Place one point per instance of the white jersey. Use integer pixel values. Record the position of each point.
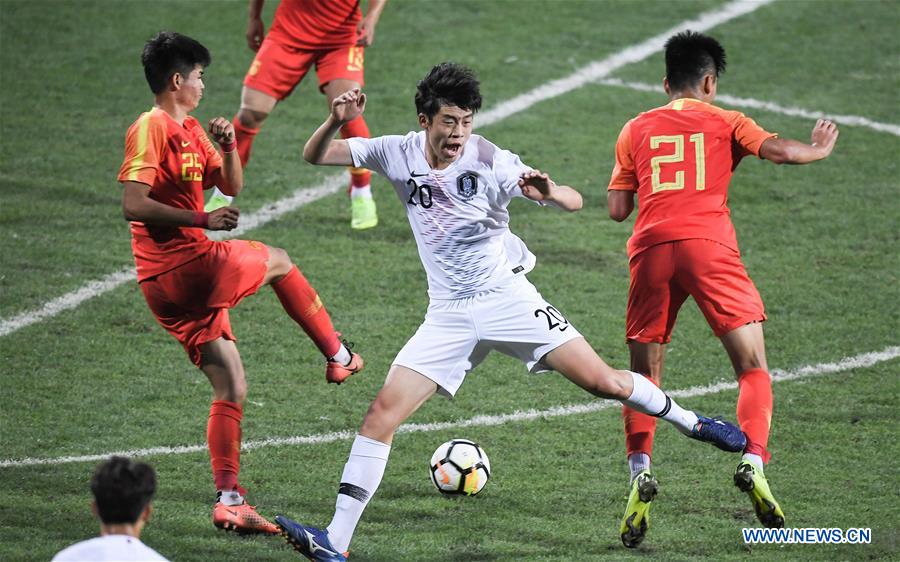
(108, 547)
(458, 215)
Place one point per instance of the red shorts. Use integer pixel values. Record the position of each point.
(664, 275)
(191, 301)
(277, 68)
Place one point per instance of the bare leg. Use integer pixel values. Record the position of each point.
(577, 361)
(747, 350)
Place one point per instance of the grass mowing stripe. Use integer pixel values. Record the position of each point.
(808, 371)
(590, 73)
(600, 69)
(852, 120)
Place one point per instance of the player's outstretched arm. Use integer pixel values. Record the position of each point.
(230, 177)
(137, 205)
(538, 186)
(787, 151)
(322, 148)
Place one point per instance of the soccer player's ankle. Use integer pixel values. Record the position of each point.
(753, 459)
(343, 356)
(362, 191)
(638, 462)
(229, 497)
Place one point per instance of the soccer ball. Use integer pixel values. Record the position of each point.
(460, 466)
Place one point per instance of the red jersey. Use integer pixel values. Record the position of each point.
(316, 24)
(679, 159)
(177, 162)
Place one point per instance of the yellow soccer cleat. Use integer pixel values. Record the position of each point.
(636, 520)
(750, 478)
(363, 213)
(217, 201)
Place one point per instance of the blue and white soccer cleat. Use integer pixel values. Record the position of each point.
(309, 541)
(720, 433)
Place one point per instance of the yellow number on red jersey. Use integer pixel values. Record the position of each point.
(675, 157)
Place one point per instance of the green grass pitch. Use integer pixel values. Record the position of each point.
(819, 241)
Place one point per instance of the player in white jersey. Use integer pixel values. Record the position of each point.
(456, 187)
(122, 492)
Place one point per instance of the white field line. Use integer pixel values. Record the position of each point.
(592, 72)
(852, 120)
(808, 371)
(602, 68)
(248, 222)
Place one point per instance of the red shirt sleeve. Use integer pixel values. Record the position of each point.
(145, 144)
(747, 135)
(624, 176)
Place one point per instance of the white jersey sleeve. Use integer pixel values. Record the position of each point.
(508, 168)
(372, 154)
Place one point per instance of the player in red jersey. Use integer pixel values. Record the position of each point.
(678, 160)
(330, 34)
(190, 281)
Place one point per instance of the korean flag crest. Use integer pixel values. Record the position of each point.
(467, 185)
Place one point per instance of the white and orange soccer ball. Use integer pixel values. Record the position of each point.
(460, 466)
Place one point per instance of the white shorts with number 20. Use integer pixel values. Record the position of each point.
(458, 334)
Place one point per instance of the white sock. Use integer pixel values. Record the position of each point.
(217, 193)
(647, 398)
(638, 462)
(230, 497)
(364, 191)
(755, 459)
(342, 356)
(362, 475)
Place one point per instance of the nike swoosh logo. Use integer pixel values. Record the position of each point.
(415, 175)
(231, 511)
(185, 143)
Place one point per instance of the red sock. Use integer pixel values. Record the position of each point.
(302, 304)
(639, 430)
(359, 177)
(244, 137)
(754, 410)
(223, 436)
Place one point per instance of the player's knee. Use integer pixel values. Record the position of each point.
(234, 390)
(279, 262)
(251, 118)
(380, 421)
(239, 391)
(749, 362)
(611, 384)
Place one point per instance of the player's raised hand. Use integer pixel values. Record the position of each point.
(824, 135)
(221, 130)
(536, 185)
(224, 218)
(348, 106)
(256, 30)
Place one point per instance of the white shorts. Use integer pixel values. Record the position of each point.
(458, 334)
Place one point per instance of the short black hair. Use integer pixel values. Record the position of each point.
(122, 489)
(168, 53)
(447, 84)
(690, 56)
